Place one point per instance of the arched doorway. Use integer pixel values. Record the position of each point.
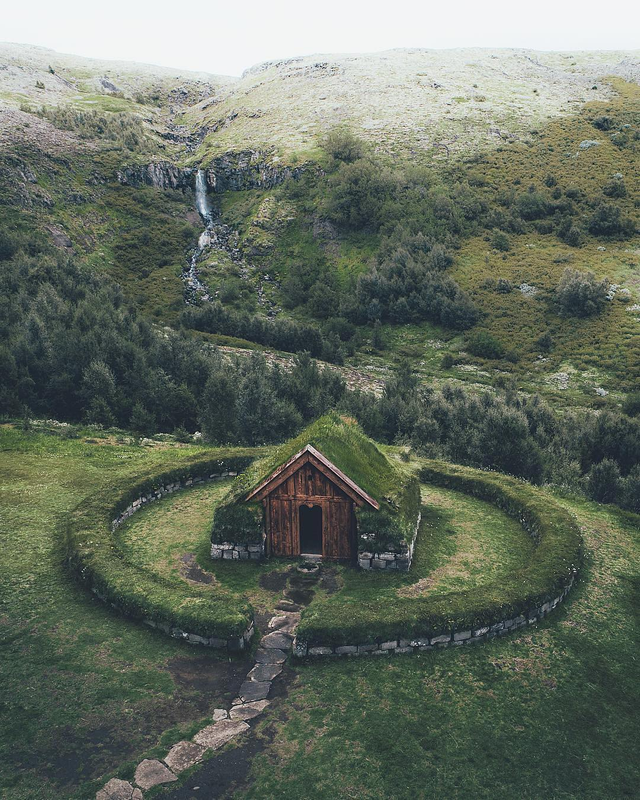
(311, 530)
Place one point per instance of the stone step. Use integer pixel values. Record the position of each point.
(277, 641)
(270, 656)
(264, 672)
(214, 736)
(184, 755)
(249, 710)
(151, 772)
(254, 690)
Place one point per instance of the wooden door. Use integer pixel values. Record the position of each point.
(283, 527)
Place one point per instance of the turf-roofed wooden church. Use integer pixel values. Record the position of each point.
(328, 493)
(309, 507)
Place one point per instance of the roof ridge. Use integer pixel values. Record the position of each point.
(337, 472)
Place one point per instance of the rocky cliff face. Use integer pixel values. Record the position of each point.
(160, 174)
(248, 169)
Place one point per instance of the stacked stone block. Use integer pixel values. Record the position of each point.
(450, 638)
(400, 561)
(237, 551)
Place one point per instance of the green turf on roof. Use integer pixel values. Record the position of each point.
(342, 441)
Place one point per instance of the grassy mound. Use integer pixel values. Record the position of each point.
(342, 441)
(361, 618)
(163, 600)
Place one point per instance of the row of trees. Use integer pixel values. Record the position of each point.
(76, 351)
(280, 333)
(509, 433)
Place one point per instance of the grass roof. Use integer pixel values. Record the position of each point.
(342, 441)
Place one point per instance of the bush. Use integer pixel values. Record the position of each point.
(342, 145)
(532, 205)
(447, 361)
(573, 236)
(603, 123)
(608, 220)
(580, 294)
(484, 345)
(500, 241)
(603, 481)
(615, 188)
(545, 342)
(630, 491)
(504, 286)
(631, 405)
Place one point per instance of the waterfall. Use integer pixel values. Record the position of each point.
(202, 199)
(206, 212)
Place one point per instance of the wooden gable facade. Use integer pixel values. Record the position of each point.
(310, 507)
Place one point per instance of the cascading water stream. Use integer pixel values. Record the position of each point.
(202, 198)
(206, 212)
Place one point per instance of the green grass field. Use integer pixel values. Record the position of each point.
(548, 712)
(463, 542)
(83, 689)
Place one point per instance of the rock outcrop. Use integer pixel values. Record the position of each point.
(248, 169)
(160, 174)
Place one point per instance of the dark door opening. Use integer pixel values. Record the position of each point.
(311, 530)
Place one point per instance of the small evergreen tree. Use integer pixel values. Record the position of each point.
(603, 481)
(142, 421)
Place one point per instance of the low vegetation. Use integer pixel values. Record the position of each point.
(122, 129)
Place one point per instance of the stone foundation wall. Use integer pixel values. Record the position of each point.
(400, 561)
(161, 491)
(237, 551)
(234, 644)
(451, 638)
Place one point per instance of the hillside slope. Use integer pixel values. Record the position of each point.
(405, 101)
(427, 103)
(98, 159)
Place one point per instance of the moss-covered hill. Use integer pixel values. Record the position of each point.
(512, 198)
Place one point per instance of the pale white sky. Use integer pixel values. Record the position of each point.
(227, 37)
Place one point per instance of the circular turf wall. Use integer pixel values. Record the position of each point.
(335, 627)
(215, 618)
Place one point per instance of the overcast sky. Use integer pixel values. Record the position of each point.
(226, 38)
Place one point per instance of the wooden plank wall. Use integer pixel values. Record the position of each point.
(308, 485)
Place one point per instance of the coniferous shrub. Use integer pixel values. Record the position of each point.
(631, 405)
(615, 188)
(500, 241)
(484, 345)
(603, 481)
(581, 294)
(608, 220)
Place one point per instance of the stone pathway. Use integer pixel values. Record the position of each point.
(227, 723)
